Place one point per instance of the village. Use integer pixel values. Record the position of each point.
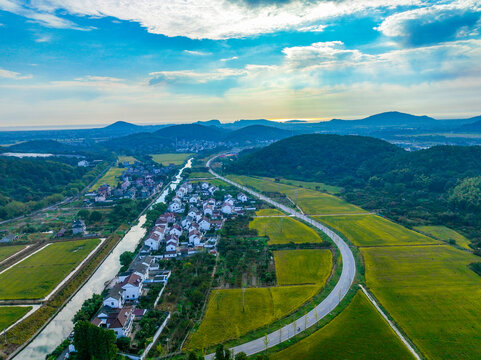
(190, 226)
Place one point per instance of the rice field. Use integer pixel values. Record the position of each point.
(7, 251)
(284, 230)
(373, 230)
(10, 314)
(200, 174)
(269, 212)
(226, 318)
(171, 158)
(111, 178)
(38, 275)
(445, 234)
(357, 333)
(312, 202)
(296, 267)
(431, 294)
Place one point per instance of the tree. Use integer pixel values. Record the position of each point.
(125, 259)
(92, 342)
(221, 353)
(123, 343)
(95, 216)
(83, 214)
(241, 356)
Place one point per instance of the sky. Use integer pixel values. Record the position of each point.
(70, 62)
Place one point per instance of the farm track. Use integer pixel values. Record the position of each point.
(321, 310)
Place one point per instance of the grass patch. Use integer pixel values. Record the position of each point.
(359, 332)
(310, 201)
(283, 230)
(445, 234)
(171, 158)
(10, 314)
(37, 276)
(225, 319)
(7, 251)
(129, 159)
(432, 295)
(269, 212)
(373, 230)
(294, 267)
(200, 174)
(111, 178)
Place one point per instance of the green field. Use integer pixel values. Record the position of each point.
(10, 314)
(311, 185)
(7, 251)
(111, 178)
(373, 230)
(295, 267)
(129, 159)
(310, 201)
(200, 174)
(225, 319)
(269, 212)
(283, 230)
(358, 333)
(37, 276)
(431, 294)
(171, 158)
(444, 233)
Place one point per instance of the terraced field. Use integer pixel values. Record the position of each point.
(226, 318)
(7, 251)
(358, 333)
(295, 267)
(111, 178)
(283, 230)
(37, 276)
(432, 294)
(171, 158)
(10, 314)
(373, 230)
(310, 201)
(445, 234)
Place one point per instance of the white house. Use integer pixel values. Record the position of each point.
(120, 321)
(194, 237)
(193, 199)
(186, 222)
(176, 230)
(227, 208)
(204, 224)
(208, 210)
(242, 197)
(175, 206)
(193, 213)
(153, 241)
(114, 298)
(205, 186)
(131, 287)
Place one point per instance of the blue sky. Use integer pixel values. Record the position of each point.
(67, 62)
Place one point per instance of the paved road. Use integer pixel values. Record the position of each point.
(321, 310)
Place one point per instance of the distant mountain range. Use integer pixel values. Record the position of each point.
(375, 125)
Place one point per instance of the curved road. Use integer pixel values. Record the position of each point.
(321, 310)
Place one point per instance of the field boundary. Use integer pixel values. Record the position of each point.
(401, 337)
(25, 258)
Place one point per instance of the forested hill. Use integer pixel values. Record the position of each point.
(319, 157)
(441, 184)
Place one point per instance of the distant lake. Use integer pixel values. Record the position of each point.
(39, 155)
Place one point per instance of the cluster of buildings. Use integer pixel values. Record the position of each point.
(138, 181)
(119, 310)
(193, 219)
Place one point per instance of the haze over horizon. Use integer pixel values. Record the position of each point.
(64, 62)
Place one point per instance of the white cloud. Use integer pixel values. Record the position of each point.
(43, 38)
(193, 76)
(197, 53)
(6, 74)
(312, 28)
(229, 59)
(212, 19)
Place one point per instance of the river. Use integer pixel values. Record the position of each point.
(61, 325)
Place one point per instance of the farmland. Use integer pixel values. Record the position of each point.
(6, 251)
(283, 230)
(445, 234)
(37, 276)
(129, 159)
(200, 174)
(359, 332)
(171, 158)
(432, 294)
(111, 178)
(372, 230)
(225, 319)
(10, 314)
(295, 267)
(269, 212)
(311, 201)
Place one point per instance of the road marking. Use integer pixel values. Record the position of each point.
(391, 324)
